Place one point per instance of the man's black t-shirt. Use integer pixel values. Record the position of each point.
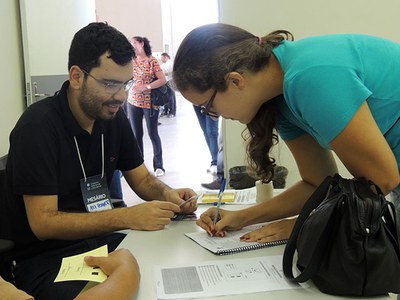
(43, 160)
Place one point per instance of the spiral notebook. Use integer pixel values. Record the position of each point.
(231, 243)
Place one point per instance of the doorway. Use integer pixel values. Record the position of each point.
(46, 37)
(181, 16)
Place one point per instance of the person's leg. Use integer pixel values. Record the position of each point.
(212, 137)
(202, 122)
(201, 118)
(135, 116)
(216, 183)
(115, 186)
(36, 274)
(171, 102)
(151, 117)
(220, 156)
(174, 103)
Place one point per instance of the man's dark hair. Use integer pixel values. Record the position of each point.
(95, 39)
(165, 54)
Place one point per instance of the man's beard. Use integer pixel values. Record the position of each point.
(93, 106)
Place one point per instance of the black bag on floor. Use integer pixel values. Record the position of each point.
(239, 178)
(346, 239)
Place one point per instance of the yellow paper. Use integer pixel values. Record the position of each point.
(75, 268)
(213, 197)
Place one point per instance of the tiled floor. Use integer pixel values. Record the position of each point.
(185, 153)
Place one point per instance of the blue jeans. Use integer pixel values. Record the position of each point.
(135, 115)
(220, 160)
(115, 186)
(210, 131)
(170, 108)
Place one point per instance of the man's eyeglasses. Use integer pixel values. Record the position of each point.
(112, 87)
(205, 109)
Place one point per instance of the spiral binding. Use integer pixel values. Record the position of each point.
(251, 247)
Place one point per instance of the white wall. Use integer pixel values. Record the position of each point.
(303, 18)
(181, 16)
(134, 18)
(12, 100)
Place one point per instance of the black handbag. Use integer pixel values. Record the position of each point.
(159, 96)
(347, 240)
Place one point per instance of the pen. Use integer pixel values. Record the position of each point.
(220, 194)
(195, 197)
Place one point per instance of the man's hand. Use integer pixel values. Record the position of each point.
(179, 196)
(152, 215)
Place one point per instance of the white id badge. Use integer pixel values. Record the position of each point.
(95, 193)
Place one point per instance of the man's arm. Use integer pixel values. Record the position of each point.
(149, 187)
(145, 185)
(47, 222)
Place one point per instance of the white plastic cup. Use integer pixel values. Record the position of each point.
(264, 191)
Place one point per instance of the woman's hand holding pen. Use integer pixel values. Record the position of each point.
(227, 220)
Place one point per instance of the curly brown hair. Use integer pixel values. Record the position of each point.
(210, 52)
(261, 137)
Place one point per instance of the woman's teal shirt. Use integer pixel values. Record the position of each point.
(327, 78)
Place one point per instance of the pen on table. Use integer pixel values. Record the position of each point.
(195, 197)
(220, 194)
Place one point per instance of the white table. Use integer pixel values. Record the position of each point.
(170, 247)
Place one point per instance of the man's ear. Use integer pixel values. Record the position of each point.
(236, 79)
(76, 77)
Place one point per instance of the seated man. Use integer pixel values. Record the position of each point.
(63, 153)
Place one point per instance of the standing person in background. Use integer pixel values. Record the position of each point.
(209, 126)
(147, 75)
(217, 178)
(320, 99)
(167, 66)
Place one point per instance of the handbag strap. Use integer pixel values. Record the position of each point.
(391, 226)
(316, 198)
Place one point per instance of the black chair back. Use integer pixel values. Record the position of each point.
(6, 246)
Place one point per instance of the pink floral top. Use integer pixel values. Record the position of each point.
(143, 74)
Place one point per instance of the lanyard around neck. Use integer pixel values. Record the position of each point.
(102, 157)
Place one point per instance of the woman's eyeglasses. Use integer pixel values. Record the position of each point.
(205, 109)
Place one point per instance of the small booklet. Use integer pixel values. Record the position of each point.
(75, 268)
(231, 243)
(213, 197)
(245, 196)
